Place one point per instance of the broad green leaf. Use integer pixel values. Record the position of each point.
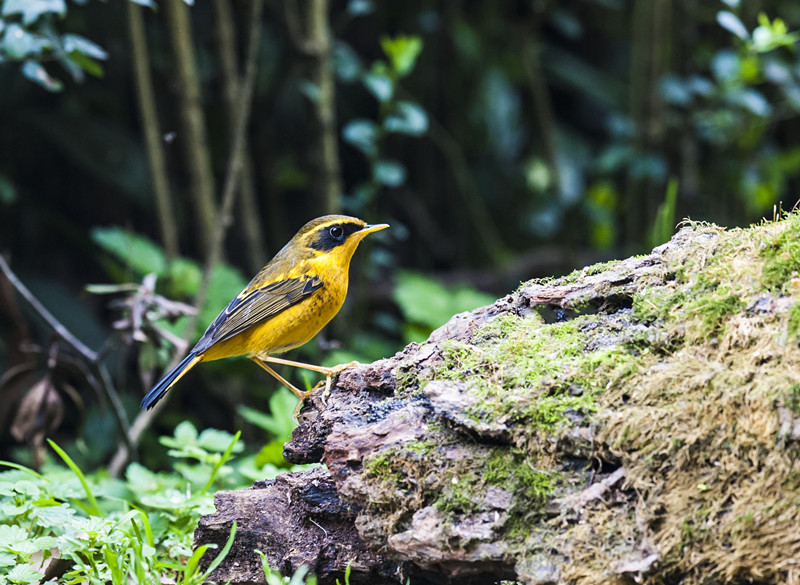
(278, 422)
(185, 277)
(427, 302)
(185, 434)
(136, 251)
(271, 454)
(726, 65)
(217, 441)
(11, 536)
(24, 574)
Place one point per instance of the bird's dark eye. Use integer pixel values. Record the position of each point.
(336, 232)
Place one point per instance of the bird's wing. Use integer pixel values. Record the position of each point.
(254, 306)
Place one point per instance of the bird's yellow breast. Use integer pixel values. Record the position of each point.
(296, 324)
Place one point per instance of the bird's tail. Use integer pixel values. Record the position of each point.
(157, 392)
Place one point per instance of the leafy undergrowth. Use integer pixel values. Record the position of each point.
(61, 525)
(683, 370)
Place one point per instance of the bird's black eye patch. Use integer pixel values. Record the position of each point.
(334, 235)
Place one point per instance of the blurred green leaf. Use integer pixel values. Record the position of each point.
(8, 192)
(278, 422)
(217, 441)
(271, 454)
(31, 10)
(389, 172)
(225, 283)
(428, 304)
(86, 64)
(362, 134)
(730, 22)
(726, 65)
(346, 62)
(184, 435)
(19, 43)
(380, 85)
(133, 250)
(36, 72)
(402, 52)
(407, 118)
(77, 43)
(360, 7)
(185, 277)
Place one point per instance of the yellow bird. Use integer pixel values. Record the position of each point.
(287, 303)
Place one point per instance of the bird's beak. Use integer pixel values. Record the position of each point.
(368, 229)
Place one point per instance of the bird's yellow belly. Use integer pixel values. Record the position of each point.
(288, 329)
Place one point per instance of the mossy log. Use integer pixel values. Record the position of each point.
(633, 421)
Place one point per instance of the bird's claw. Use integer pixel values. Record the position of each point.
(327, 382)
(341, 368)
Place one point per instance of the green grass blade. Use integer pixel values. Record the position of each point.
(222, 554)
(92, 508)
(222, 460)
(22, 468)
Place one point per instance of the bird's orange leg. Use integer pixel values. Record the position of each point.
(296, 391)
(321, 369)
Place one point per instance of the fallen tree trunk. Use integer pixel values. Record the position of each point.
(634, 420)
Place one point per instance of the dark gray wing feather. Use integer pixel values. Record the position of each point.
(255, 306)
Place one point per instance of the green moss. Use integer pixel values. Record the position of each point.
(512, 469)
(654, 303)
(458, 495)
(711, 308)
(599, 267)
(794, 320)
(782, 256)
(379, 466)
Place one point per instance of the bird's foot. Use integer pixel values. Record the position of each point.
(340, 368)
(303, 395)
(329, 373)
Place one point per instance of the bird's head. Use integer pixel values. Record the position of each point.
(333, 238)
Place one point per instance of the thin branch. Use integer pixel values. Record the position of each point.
(92, 357)
(193, 131)
(48, 317)
(326, 146)
(315, 44)
(248, 215)
(543, 106)
(150, 127)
